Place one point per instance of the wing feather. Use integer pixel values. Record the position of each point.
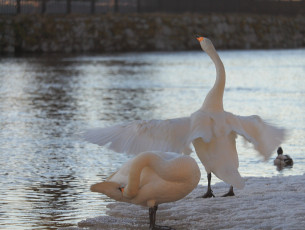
(264, 136)
(139, 136)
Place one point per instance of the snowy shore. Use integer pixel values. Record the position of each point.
(264, 203)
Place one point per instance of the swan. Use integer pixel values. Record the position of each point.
(150, 179)
(281, 160)
(211, 130)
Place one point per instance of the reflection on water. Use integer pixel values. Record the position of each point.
(45, 101)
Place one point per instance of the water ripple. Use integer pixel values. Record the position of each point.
(46, 172)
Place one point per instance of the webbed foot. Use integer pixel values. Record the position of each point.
(208, 194)
(230, 193)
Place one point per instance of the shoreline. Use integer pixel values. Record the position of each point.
(147, 32)
(265, 203)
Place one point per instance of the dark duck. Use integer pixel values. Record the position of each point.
(282, 161)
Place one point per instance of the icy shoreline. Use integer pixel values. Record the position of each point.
(264, 203)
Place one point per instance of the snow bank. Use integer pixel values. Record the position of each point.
(264, 203)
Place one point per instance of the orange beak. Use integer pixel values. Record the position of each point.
(199, 38)
(121, 189)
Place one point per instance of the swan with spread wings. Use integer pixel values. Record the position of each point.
(211, 130)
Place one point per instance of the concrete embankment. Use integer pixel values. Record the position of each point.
(147, 32)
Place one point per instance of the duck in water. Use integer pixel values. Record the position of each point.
(282, 161)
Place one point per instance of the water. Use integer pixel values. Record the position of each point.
(45, 101)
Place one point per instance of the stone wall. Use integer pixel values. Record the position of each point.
(147, 32)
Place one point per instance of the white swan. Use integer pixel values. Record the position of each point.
(211, 130)
(150, 179)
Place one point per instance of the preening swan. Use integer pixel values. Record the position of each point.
(211, 130)
(282, 161)
(150, 179)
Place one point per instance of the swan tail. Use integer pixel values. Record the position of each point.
(232, 178)
(236, 180)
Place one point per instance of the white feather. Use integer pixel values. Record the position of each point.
(139, 136)
(264, 136)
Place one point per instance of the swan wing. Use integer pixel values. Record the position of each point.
(264, 136)
(140, 136)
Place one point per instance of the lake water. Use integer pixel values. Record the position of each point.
(45, 101)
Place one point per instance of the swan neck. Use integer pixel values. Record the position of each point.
(164, 169)
(214, 99)
(138, 164)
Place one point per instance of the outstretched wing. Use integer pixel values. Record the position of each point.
(140, 136)
(264, 136)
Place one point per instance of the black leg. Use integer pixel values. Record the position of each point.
(209, 192)
(152, 220)
(230, 193)
(152, 216)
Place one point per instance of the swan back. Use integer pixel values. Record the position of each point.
(153, 178)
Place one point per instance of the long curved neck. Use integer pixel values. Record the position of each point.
(214, 99)
(162, 167)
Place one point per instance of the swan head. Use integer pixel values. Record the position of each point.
(205, 43)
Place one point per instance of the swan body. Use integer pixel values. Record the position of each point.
(211, 130)
(152, 178)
